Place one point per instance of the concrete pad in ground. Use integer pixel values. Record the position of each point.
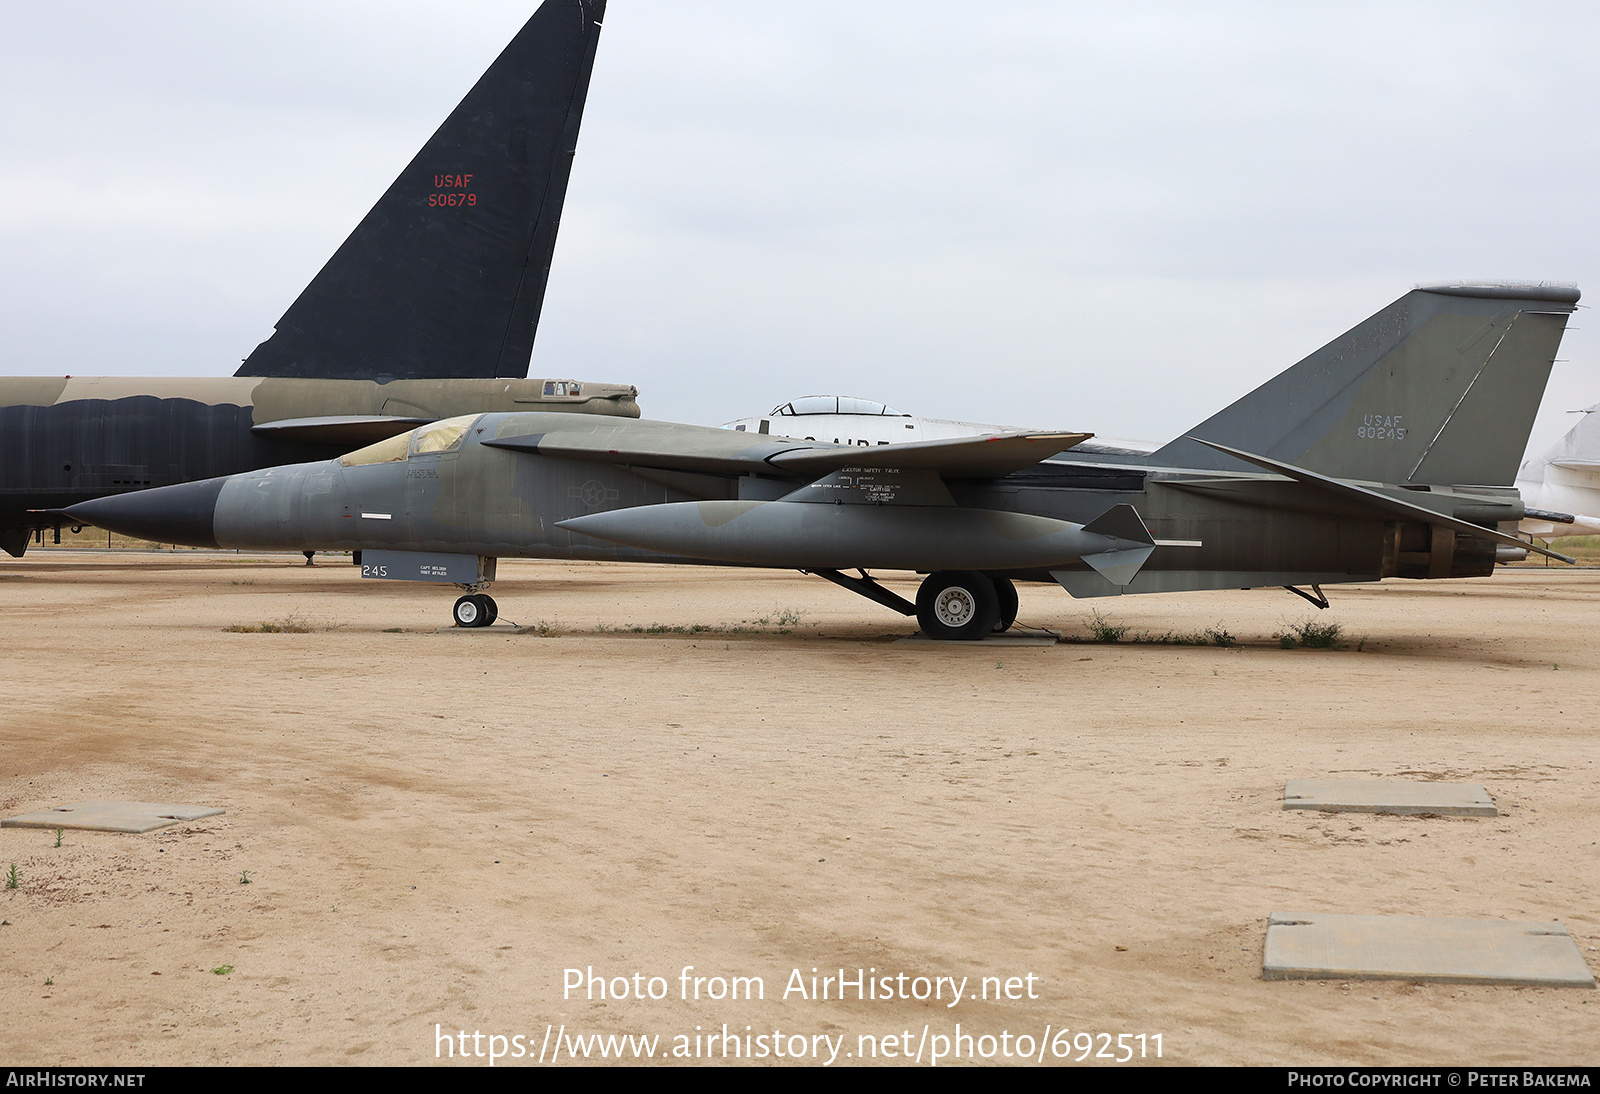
(110, 816)
(493, 628)
(1460, 951)
(1388, 796)
(1007, 638)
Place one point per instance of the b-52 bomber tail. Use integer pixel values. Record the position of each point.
(426, 311)
(446, 275)
(1389, 453)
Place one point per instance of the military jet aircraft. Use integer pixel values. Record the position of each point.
(1390, 452)
(1561, 487)
(427, 310)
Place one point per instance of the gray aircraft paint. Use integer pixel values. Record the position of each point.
(556, 486)
(67, 440)
(1415, 394)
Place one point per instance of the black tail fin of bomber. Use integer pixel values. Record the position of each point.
(1440, 387)
(446, 275)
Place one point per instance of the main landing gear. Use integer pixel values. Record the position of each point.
(1006, 593)
(952, 606)
(476, 610)
(965, 605)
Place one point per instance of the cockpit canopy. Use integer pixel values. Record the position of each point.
(835, 404)
(425, 440)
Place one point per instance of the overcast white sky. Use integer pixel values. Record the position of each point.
(1116, 218)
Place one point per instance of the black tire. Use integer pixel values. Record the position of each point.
(469, 612)
(957, 606)
(1006, 596)
(491, 610)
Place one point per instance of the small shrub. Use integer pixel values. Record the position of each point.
(289, 624)
(1314, 636)
(1102, 629)
(1211, 636)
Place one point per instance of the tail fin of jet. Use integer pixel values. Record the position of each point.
(1441, 387)
(446, 275)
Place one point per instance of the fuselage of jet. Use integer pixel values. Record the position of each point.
(1390, 452)
(522, 485)
(65, 440)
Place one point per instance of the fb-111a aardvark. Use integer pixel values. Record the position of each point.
(1390, 452)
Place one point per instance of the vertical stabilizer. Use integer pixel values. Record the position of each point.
(1440, 387)
(446, 275)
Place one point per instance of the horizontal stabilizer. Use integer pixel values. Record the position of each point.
(1393, 507)
(1084, 583)
(989, 457)
(351, 430)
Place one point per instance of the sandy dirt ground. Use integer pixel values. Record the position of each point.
(437, 826)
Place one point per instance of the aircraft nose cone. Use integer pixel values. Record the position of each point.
(165, 514)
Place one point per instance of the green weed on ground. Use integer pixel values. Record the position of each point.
(779, 621)
(289, 624)
(1211, 636)
(1103, 630)
(1313, 635)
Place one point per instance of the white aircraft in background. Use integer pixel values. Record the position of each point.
(1561, 488)
(844, 420)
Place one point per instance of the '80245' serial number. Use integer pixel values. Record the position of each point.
(1382, 427)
